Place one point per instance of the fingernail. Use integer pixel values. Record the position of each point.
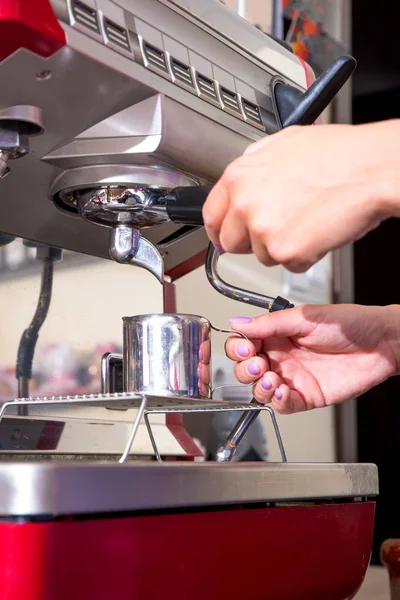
(243, 350)
(278, 394)
(201, 353)
(241, 320)
(265, 383)
(199, 372)
(218, 248)
(253, 368)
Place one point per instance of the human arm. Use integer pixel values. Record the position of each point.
(316, 355)
(295, 195)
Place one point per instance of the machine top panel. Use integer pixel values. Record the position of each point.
(64, 489)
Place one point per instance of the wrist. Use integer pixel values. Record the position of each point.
(392, 333)
(384, 177)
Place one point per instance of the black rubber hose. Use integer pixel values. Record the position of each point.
(30, 336)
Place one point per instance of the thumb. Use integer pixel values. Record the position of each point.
(283, 323)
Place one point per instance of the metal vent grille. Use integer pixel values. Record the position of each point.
(230, 100)
(85, 15)
(117, 35)
(207, 88)
(155, 57)
(252, 112)
(182, 73)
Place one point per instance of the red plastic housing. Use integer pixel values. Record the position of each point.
(301, 553)
(29, 24)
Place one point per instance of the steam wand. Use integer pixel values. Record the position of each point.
(227, 450)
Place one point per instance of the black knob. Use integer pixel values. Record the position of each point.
(185, 204)
(297, 108)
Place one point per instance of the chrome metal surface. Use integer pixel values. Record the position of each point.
(135, 427)
(231, 291)
(167, 355)
(126, 198)
(108, 373)
(14, 143)
(4, 169)
(128, 247)
(130, 400)
(226, 452)
(17, 125)
(236, 30)
(23, 388)
(139, 207)
(30, 116)
(228, 449)
(108, 194)
(146, 405)
(65, 489)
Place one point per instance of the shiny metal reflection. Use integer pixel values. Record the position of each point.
(167, 355)
(127, 246)
(140, 206)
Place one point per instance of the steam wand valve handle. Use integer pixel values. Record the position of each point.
(293, 107)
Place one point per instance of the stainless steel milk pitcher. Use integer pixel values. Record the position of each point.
(168, 355)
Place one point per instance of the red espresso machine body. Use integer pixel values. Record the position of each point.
(185, 531)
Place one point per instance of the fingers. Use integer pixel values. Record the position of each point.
(283, 323)
(234, 236)
(239, 349)
(260, 250)
(203, 374)
(271, 389)
(250, 370)
(214, 211)
(205, 352)
(268, 387)
(265, 388)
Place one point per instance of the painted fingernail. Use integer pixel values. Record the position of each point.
(243, 350)
(199, 372)
(278, 394)
(218, 248)
(265, 383)
(241, 320)
(253, 368)
(201, 353)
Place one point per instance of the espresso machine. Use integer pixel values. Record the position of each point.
(116, 119)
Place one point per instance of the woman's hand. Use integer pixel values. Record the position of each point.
(313, 356)
(295, 195)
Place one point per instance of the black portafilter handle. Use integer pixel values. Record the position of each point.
(292, 107)
(185, 204)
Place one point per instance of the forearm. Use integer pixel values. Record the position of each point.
(392, 332)
(383, 176)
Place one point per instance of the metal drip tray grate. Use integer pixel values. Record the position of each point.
(127, 400)
(145, 405)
